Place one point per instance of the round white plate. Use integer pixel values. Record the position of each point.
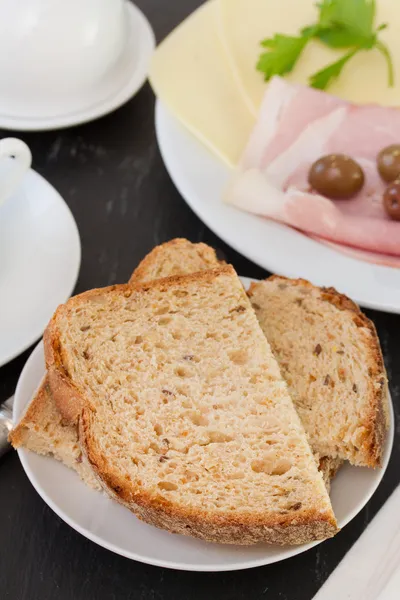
(119, 85)
(112, 526)
(40, 255)
(201, 178)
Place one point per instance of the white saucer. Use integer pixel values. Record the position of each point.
(201, 178)
(121, 83)
(40, 255)
(114, 527)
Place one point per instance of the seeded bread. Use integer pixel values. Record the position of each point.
(182, 411)
(43, 430)
(176, 257)
(330, 356)
(43, 415)
(179, 256)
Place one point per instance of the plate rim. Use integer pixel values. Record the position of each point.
(210, 567)
(77, 241)
(161, 113)
(133, 83)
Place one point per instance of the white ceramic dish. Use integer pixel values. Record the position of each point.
(200, 177)
(58, 48)
(112, 526)
(40, 255)
(123, 80)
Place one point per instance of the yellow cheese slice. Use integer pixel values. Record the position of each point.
(190, 74)
(242, 24)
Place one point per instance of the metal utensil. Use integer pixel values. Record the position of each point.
(6, 424)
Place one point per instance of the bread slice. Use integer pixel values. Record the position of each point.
(179, 256)
(330, 356)
(43, 430)
(168, 259)
(176, 257)
(182, 411)
(328, 467)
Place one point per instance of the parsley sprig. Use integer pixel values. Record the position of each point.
(342, 24)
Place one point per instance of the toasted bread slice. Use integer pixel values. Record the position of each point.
(180, 256)
(43, 430)
(176, 257)
(330, 356)
(165, 260)
(182, 411)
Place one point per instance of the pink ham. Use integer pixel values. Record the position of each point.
(385, 260)
(296, 126)
(279, 114)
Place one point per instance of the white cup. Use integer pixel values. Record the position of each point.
(18, 151)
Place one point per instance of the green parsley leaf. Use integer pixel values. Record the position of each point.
(355, 16)
(340, 37)
(284, 52)
(381, 27)
(327, 12)
(343, 24)
(325, 76)
(310, 31)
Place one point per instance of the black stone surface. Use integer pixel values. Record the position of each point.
(112, 177)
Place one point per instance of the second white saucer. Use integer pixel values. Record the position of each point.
(121, 83)
(40, 255)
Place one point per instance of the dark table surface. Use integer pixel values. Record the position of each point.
(111, 175)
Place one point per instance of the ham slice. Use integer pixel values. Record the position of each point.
(296, 126)
(384, 260)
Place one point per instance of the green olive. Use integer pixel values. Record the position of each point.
(336, 176)
(388, 162)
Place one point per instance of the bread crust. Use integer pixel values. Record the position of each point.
(66, 395)
(376, 421)
(16, 437)
(154, 257)
(296, 528)
(328, 467)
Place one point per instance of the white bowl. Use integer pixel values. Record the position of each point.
(51, 50)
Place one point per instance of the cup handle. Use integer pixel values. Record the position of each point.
(19, 151)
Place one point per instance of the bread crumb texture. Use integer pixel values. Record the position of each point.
(185, 417)
(329, 355)
(43, 430)
(176, 257)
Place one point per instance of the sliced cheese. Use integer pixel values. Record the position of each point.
(189, 73)
(242, 24)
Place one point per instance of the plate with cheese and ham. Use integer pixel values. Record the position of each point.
(277, 121)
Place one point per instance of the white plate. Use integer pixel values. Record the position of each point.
(40, 255)
(112, 526)
(201, 177)
(119, 85)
